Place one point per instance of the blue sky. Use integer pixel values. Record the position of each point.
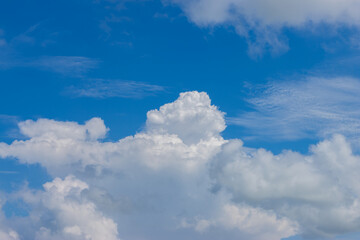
(79, 80)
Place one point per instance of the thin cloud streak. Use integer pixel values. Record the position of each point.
(66, 65)
(101, 88)
(73, 66)
(9, 172)
(5, 118)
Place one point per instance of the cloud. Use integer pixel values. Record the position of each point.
(190, 107)
(319, 191)
(2, 42)
(62, 212)
(6, 232)
(261, 21)
(100, 88)
(178, 179)
(66, 65)
(255, 223)
(309, 108)
(11, 235)
(73, 66)
(39, 35)
(9, 172)
(93, 129)
(69, 145)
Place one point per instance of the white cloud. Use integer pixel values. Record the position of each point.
(257, 222)
(277, 12)
(265, 19)
(62, 212)
(6, 232)
(319, 191)
(180, 179)
(92, 130)
(254, 223)
(191, 117)
(309, 108)
(63, 145)
(11, 235)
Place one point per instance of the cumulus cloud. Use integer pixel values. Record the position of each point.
(179, 178)
(93, 129)
(306, 108)
(58, 145)
(191, 107)
(254, 223)
(265, 19)
(6, 232)
(62, 212)
(11, 235)
(314, 190)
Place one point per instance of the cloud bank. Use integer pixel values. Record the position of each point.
(261, 21)
(177, 179)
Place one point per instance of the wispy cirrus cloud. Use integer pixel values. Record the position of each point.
(102, 88)
(8, 172)
(8, 126)
(2, 40)
(75, 66)
(309, 108)
(66, 65)
(9, 118)
(69, 65)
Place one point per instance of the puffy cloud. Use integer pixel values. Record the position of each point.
(10, 235)
(319, 191)
(180, 179)
(63, 155)
(257, 222)
(191, 117)
(254, 223)
(62, 212)
(265, 18)
(59, 146)
(93, 129)
(6, 232)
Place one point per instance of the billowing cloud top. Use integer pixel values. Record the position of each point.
(179, 179)
(191, 117)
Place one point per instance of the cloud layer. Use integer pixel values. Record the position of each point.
(180, 179)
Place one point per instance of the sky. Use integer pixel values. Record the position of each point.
(179, 119)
